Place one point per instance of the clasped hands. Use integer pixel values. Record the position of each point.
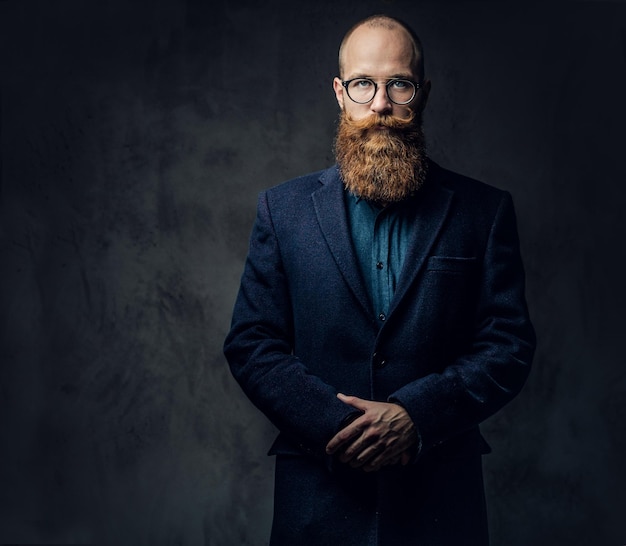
(381, 436)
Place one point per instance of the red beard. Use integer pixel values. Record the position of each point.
(381, 158)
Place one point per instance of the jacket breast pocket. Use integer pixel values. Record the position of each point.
(451, 264)
(450, 291)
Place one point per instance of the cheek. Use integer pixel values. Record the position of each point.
(401, 112)
(356, 111)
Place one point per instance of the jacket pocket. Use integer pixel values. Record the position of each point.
(452, 264)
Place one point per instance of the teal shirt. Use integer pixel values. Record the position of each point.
(380, 238)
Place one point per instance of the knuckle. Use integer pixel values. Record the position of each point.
(372, 434)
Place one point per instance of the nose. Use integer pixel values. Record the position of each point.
(380, 103)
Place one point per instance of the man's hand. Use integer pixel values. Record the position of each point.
(381, 436)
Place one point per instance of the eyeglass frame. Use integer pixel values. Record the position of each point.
(416, 85)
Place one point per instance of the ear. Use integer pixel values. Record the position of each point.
(339, 92)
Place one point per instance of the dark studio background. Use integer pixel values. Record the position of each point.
(135, 136)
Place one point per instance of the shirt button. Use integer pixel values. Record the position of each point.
(382, 317)
(379, 265)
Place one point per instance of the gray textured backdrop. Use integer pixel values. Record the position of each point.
(135, 136)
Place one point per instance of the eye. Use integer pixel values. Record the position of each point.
(400, 84)
(362, 84)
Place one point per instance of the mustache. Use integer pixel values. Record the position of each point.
(377, 120)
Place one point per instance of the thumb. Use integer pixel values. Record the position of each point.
(353, 401)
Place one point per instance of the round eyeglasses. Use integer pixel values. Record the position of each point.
(363, 90)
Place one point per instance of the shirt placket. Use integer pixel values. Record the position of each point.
(380, 262)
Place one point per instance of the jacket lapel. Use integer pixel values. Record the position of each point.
(331, 215)
(432, 211)
(431, 214)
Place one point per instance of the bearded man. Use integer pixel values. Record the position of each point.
(381, 317)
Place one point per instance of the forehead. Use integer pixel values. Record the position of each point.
(379, 52)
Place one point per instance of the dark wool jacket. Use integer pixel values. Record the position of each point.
(455, 347)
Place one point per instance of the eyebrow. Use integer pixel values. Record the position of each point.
(402, 76)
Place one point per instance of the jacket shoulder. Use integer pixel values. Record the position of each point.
(302, 185)
(464, 184)
(470, 194)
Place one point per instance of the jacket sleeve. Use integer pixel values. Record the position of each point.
(496, 363)
(259, 348)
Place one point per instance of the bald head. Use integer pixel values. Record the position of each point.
(359, 34)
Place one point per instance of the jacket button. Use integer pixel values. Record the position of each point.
(379, 361)
(382, 317)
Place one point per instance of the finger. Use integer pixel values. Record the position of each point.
(371, 468)
(392, 461)
(378, 462)
(354, 401)
(361, 448)
(344, 437)
(359, 453)
(386, 457)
